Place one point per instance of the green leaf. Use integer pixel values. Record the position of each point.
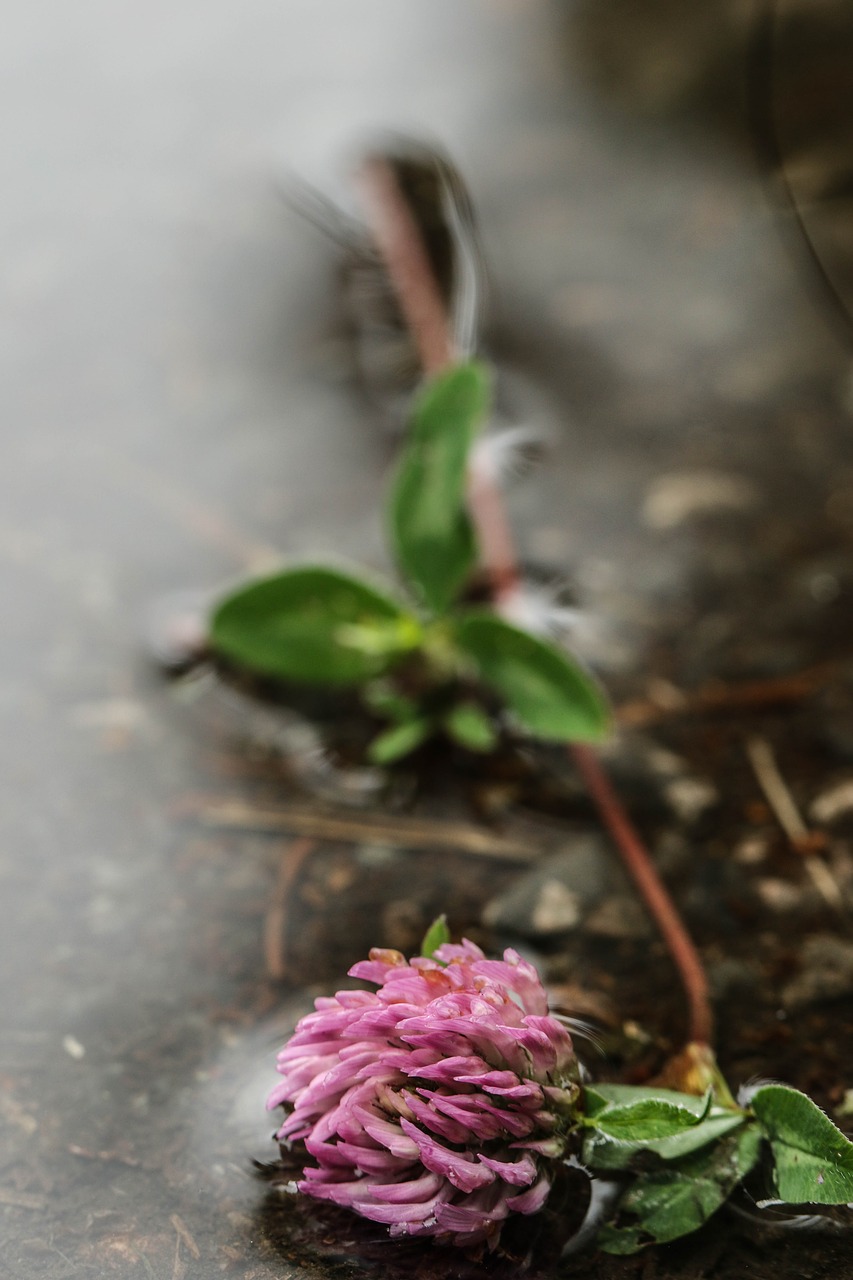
(604, 1153)
(436, 936)
(310, 625)
(623, 1121)
(399, 741)
(813, 1159)
(431, 532)
(601, 1095)
(645, 1121)
(469, 725)
(380, 698)
(551, 695)
(672, 1201)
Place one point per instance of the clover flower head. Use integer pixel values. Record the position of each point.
(436, 1103)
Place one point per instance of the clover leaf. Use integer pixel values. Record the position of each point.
(813, 1161)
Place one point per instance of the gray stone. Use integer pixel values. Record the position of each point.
(619, 917)
(826, 973)
(554, 898)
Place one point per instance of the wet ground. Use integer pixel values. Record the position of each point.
(178, 410)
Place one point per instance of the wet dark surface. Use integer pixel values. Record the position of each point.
(178, 411)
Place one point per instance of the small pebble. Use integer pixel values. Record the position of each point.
(555, 896)
(690, 797)
(779, 895)
(556, 909)
(826, 973)
(679, 496)
(752, 850)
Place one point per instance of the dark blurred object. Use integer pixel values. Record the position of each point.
(435, 194)
(801, 110)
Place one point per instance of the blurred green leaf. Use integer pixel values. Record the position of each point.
(382, 699)
(469, 725)
(431, 533)
(813, 1159)
(312, 625)
(436, 936)
(549, 693)
(399, 741)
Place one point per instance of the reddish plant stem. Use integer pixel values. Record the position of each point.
(401, 246)
(649, 885)
(399, 242)
(494, 536)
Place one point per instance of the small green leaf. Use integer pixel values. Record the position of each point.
(668, 1202)
(550, 694)
(469, 725)
(624, 1121)
(623, 1095)
(431, 532)
(813, 1159)
(436, 936)
(399, 741)
(602, 1152)
(645, 1121)
(309, 625)
(380, 698)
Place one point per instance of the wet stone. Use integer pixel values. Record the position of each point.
(556, 896)
(826, 972)
(619, 917)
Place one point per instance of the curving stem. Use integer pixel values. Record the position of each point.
(399, 242)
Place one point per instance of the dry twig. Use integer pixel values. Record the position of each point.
(361, 828)
(804, 841)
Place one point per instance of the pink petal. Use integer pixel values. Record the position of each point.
(460, 1168)
(531, 1201)
(389, 1135)
(434, 1120)
(518, 1173)
(415, 1191)
(483, 1120)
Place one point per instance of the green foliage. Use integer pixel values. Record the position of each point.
(600, 1096)
(813, 1161)
(382, 698)
(400, 740)
(623, 1122)
(685, 1155)
(436, 936)
(313, 625)
(468, 724)
(431, 532)
(672, 1200)
(321, 626)
(550, 694)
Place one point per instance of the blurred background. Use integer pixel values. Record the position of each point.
(664, 193)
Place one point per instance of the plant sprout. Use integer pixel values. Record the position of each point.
(426, 662)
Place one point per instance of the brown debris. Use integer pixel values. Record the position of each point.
(401, 832)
